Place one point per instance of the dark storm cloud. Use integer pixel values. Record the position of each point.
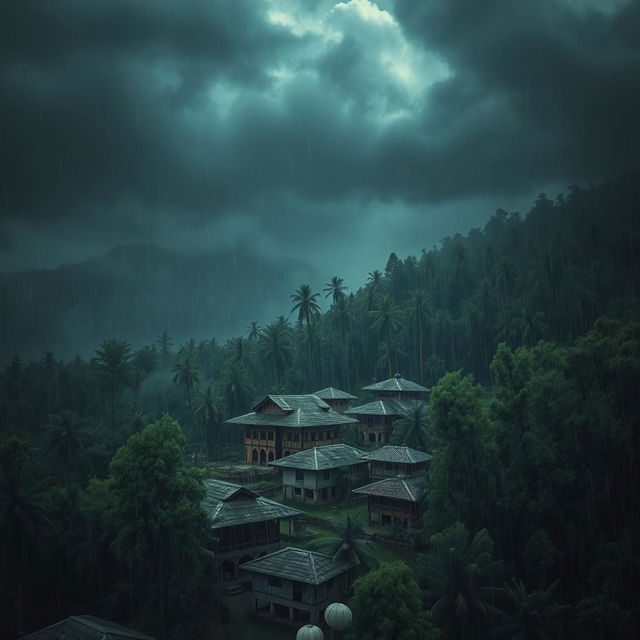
(540, 91)
(186, 122)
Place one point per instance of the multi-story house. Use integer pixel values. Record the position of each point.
(322, 474)
(280, 425)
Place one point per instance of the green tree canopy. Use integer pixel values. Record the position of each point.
(386, 605)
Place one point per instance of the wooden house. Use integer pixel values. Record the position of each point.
(244, 525)
(280, 425)
(296, 585)
(86, 628)
(393, 398)
(317, 475)
(338, 400)
(393, 460)
(396, 500)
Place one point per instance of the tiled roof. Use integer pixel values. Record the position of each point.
(397, 383)
(298, 564)
(230, 504)
(386, 407)
(331, 393)
(296, 411)
(86, 628)
(410, 489)
(328, 456)
(390, 453)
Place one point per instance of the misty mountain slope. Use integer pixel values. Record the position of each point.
(136, 292)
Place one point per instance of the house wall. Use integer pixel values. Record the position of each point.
(396, 511)
(321, 484)
(389, 469)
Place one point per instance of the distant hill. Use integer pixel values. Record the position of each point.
(135, 293)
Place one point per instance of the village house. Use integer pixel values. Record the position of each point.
(338, 400)
(244, 525)
(322, 474)
(393, 398)
(280, 425)
(395, 501)
(86, 628)
(393, 460)
(296, 585)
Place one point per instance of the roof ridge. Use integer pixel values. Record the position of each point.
(312, 564)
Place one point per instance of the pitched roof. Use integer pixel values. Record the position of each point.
(390, 453)
(86, 628)
(331, 393)
(401, 488)
(397, 383)
(386, 407)
(230, 504)
(296, 411)
(328, 456)
(298, 564)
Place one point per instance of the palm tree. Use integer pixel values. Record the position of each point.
(374, 285)
(24, 524)
(349, 544)
(386, 321)
(236, 388)
(254, 331)
(335, 289)
(185, 374)
(66, 437)
(460, 582)
(419, 310)
(534, 615)
(164, 344)
(114, 360)
(305, 303)
(411, 429)
(275, 347)
(206, 413)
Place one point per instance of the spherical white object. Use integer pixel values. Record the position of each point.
(338, 616)
(309, 632)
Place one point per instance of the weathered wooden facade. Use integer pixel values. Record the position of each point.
(393, 460)
(393, 398)
(280, 425)
(296, 585)
(244, 524)
(318, 475)
(395, 501)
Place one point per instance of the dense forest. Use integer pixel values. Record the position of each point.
(525, 330)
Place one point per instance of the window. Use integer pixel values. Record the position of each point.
(308, 493)
(297, 491)
(274, 581)
(270, 435)
(296, 437)
(299, 474)
(326, 475)
(262, 435)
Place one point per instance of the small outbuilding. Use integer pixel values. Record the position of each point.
(322, 474)
(395, 500)
(296, 585)
(393, 460)
(338, 400)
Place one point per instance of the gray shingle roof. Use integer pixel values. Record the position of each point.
(298, 564)
(397, 383)
(230, 504)
(386, 407)
(410, 489)
(331, 393)
(295, 411)
(86, 628)
(329, 456)
(390, 453)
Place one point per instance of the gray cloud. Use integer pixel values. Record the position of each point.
(290, 125)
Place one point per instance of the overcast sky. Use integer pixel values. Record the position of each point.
(329, 132)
